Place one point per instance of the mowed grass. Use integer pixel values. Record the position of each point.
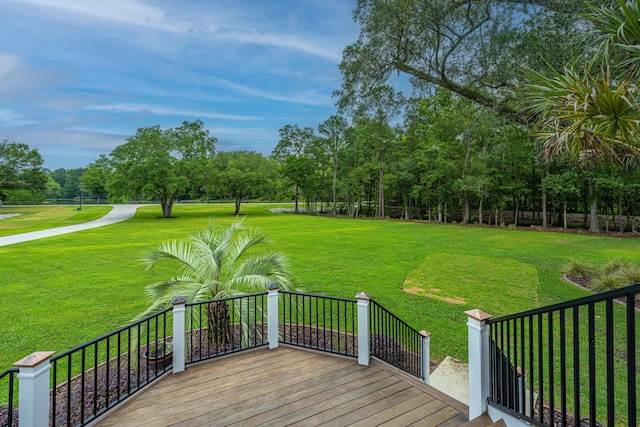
(60, 292)
(33, 218)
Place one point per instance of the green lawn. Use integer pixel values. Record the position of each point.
(33, 218)
(60, 292)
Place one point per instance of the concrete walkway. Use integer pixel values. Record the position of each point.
(119, 213)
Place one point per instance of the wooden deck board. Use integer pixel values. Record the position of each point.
(287, 386)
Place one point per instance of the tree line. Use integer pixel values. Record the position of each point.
(521, 112)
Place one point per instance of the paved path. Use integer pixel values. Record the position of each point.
(117, 214)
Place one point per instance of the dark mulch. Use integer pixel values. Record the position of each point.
(557, 418)
(585, 283)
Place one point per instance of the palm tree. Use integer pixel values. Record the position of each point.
(582, 116)
(589, 115)
(216, 263)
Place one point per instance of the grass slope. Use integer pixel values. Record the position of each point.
(60, 292)
(33, 218)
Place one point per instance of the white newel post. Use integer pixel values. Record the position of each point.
(272, 315)
(179, 333)
(479, 382)
(33, 393)
(363, 328)
(425, 341)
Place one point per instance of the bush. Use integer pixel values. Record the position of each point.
(606, 282)
(580, 269)
(13, 196)
(614, 274)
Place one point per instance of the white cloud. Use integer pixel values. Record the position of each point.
(11, 118)
(130, 12)
(305, 98)
(139, 108)
(20, 77)
(298, 41)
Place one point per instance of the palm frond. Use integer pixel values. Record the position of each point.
(585, 116)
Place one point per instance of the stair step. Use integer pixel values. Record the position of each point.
(484, 421)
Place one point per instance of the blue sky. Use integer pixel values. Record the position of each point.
(78, 77)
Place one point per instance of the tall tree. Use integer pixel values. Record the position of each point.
(161, 163)
(333, 129)
(241, 174)
(290, 152)
(95, 177)
(471, 47)
(21, 169)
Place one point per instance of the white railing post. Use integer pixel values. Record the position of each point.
(33, 389)
(179, 333)
(425, 342)
(479, 381)
(363, 328)
(272, 315)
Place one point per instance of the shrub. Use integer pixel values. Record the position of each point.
(606, 282)
(580, 269)
(615, 266)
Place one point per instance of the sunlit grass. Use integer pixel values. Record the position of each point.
(62, 291)
(33, 218)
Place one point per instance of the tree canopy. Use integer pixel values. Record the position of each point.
(21, 172)
(161, 163)
(241, 174)
(475, 48)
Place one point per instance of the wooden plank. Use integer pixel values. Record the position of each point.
(176, 404)
(332, 411)
(450, 401)
(437, 418)
(415, 414)
(286, 414)
(253, 395)
(395, 411)
(390, 401)
(457, 421)
(287, 386)
(251, 408)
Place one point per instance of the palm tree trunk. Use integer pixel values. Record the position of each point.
(218, 323)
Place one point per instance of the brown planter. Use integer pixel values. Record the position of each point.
(156, 363)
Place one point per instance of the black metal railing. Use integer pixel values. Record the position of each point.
(8, 398)
(574, 363)
(318, 322)
(395, 342)
(224, 326)
(92, 378)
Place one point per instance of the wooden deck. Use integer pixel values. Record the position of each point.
(288, 386)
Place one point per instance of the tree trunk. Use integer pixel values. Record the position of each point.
(593, 225)
(480, 212)
(167, 207)
(238, 201)
(335, 180)
(545, 223)
(297, 195)
(564, 214)
(620, 211)
(467, 215)
(381, 190)
(218, 324)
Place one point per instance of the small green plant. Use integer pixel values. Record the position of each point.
(631, 274)
(606, 282)
(580, 269)
(614, 274)
(159, 349)
(614, 266)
